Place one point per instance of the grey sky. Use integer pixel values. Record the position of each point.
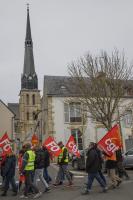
(62, 30)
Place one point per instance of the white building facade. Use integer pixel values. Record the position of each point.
(62, 116)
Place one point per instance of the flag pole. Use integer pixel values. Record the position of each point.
(83, 135)
(119, 121)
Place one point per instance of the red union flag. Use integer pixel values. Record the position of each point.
(5, 144)
(111, 142)
(52, 146)
(72, 148)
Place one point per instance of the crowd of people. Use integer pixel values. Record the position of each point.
(33, 163)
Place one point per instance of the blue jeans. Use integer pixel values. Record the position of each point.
(10, 180)
(29, 183)
(46, 175)
(91, 177)
(63, 171)
(102, 177)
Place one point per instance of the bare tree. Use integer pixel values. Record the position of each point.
(101, 81)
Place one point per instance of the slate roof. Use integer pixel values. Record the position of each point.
(60, 86)
(14, 107)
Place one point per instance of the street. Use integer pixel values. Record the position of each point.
(124, 192)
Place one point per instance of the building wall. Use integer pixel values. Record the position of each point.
(62, 130)
(6, 121)
(91, 131)
(27, 127)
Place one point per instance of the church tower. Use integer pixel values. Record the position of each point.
(29, 102)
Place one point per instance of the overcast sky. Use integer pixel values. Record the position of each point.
(62, 31)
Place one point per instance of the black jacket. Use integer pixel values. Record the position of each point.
(46, 158)
(111, 164)
(10, 166)
(92, 161)
(39, 160)
(101, 161)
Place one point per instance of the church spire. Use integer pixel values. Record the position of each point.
(28, 29)
(29, 77)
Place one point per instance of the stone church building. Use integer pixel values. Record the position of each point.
(29, 97)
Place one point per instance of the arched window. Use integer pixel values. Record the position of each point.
(28, 116)
(27, 99)
(33, 99)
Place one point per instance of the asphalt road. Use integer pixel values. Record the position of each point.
(124, 192)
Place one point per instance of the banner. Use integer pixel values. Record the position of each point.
(111, 142)
(5, 144)
(52, 146)
(72, 148)
(34, 139)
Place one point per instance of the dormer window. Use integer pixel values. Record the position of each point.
(62, 87)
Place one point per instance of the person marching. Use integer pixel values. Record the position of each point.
(93, 163)
(46, 175)
(39, 167)
(21, 176)
(101, 161)
(120, 166)
(111, 165)
(9, 173)
(63, 160)
(28, 166)
(2, 165)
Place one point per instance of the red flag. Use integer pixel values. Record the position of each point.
(111, 142)
(71, 145)
(5, 144)
(52, 146)
(34, 139)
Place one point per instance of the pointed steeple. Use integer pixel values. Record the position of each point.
(28, 29)
(29, 78)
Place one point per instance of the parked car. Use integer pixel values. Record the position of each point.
(128, 159)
